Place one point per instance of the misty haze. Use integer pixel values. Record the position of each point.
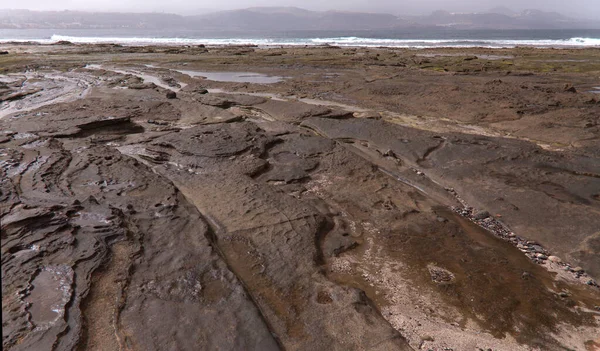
(584, 8)
(260, 175)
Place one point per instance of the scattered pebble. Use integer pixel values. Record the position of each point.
(554, 259)
(530, 248)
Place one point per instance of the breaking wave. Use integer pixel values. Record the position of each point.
(338, 41)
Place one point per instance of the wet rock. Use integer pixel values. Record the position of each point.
(171, 95)
(172, 82)
(441, 275)
(45, 292)
(481, 215)
(18, 94)
(536, 248)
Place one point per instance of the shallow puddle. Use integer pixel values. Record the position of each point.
(51, 291)
(237, 77)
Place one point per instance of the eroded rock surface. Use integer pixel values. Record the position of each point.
(243, 221)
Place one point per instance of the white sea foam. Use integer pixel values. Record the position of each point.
(339, 41)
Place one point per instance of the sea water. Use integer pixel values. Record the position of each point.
(406, 38)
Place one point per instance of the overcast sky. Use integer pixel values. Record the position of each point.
(587, 8)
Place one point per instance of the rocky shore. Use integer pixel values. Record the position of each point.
(247, 198)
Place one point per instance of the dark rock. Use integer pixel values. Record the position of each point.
(537, 248)
(159, 123)
(141, 86)
(228, 100)
(481, 215)
(3, 52)
(570, 88)
(194, 88)
(171, 95)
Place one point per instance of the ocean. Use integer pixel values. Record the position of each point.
(407, 38)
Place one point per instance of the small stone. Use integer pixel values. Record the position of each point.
(481, 215)
(537, 248)
(389, 153)
(541, 256)
(570, 88)
(578, 270)
(171, 95)
(554, 259)
(563, 294)
(427, 338)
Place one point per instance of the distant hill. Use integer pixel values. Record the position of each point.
(77, 19)
(290, 18)
(504, 18)
(503, 11)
